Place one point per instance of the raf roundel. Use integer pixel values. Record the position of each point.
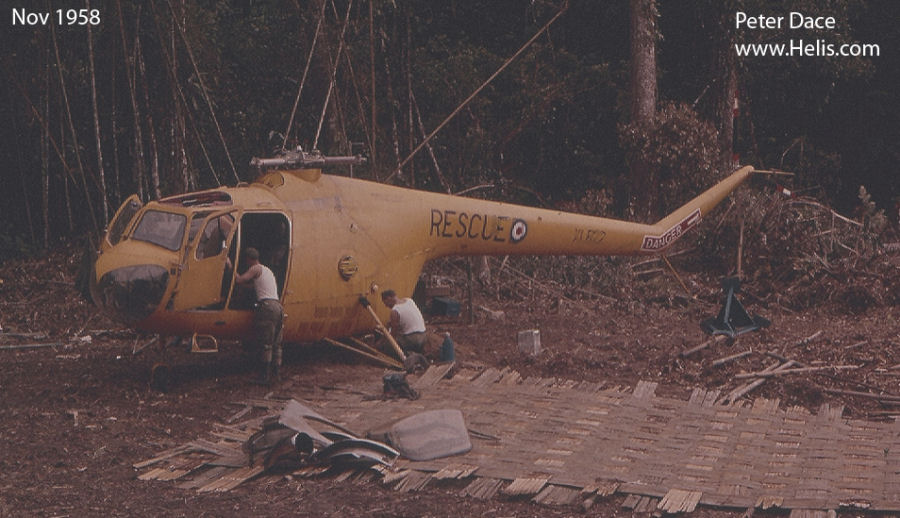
(518, 231)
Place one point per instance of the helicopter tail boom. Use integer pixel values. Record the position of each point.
(478, 227)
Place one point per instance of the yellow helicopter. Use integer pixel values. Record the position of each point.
(331, 241)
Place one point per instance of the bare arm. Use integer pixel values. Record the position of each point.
(394, 324)
(249, 275)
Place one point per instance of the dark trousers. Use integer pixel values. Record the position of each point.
(267, 322)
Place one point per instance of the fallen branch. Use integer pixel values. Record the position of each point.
(726, 359)
(704, 345)
(741, 391)
(22, 335)
(883, 397)
(783, 358)
(28, 346)
(823, 207)
(762, 374)
(135, 349)
(809, 338)
(675, 272)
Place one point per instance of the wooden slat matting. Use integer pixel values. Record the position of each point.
(695, 452)
(556, 440)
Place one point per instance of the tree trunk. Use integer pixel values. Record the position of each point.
(154, 148)
(75, 145)
(45, 155)
(372, 140)
(643, 96)
(409, 96)
(131, 73)
(104, 205)
(114, 122)
(179, 130)
(66, 177)
(726, 67)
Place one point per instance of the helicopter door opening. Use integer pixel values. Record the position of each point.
(269, 233)
(202, 282)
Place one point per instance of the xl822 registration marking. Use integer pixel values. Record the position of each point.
(656, 243)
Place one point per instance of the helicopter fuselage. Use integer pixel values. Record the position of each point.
(329, 240)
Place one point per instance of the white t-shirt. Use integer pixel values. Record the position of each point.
(264, 284)
(410, 318)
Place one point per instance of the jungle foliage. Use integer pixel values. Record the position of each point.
(165, 96)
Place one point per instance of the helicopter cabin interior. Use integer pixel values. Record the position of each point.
(269, 233)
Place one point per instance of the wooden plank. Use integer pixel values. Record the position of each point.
(525, 486)
(152, 474)
(434, 374)
(218, 448)
(414, 481)
(680, 501)
(203, 478)
(167, 454)
(232, 479)
(488, 377)
(391, 477)
(631, 501)
(556, 495)
(601, 488)
(482, 488)
(456, 471)
(767, 502)
(644, 389)
(239, 414)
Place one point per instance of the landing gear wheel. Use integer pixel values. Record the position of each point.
(159, 377)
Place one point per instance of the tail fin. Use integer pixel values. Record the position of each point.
(688, 215)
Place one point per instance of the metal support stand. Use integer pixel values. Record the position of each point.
(733, 319)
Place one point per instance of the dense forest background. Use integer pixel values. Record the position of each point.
(162, 96)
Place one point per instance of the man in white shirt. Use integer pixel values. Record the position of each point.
(407, 324)
(267, 320)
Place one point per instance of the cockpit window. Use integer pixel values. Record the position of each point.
(126, 213)
(196, 220)
(165, 229)
(213, 239)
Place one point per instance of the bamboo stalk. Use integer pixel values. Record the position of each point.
(374, 105)
(762, 374)
(674, 272)
(28, 346)
(65, 95)
(743, 390)
(477, 91)
(809, 338)
(894, 398)
(704, 345)
(104, 206)
(727, 359)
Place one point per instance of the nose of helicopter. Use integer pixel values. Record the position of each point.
(130, 293)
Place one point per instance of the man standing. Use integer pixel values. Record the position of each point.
(268, 318)
(407, 324)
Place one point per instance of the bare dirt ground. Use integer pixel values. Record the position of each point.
(76, 416)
